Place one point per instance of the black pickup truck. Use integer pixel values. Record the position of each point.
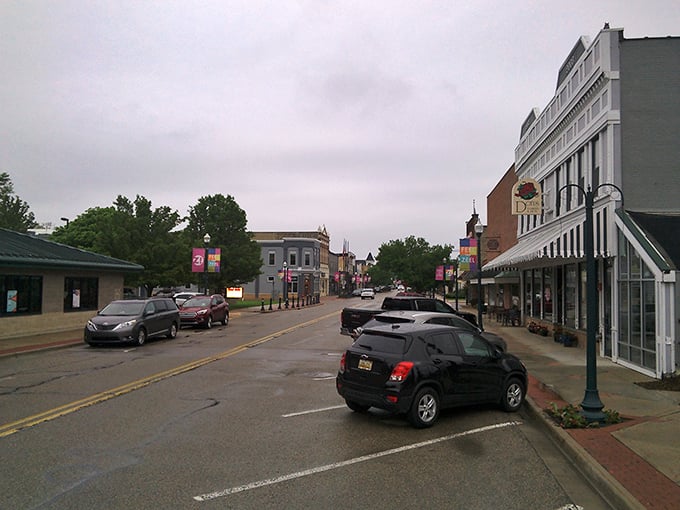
(352, 318)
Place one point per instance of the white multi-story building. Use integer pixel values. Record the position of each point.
(613, 125)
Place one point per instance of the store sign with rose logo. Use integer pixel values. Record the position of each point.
(527, 197)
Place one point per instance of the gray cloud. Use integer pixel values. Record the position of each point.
(378, 119)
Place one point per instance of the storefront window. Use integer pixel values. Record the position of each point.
(637, 309)
(570, 296)
(582, 301)
(527, 293)
(20, 294)
(537, 293)
(548, 297)
(81, 294)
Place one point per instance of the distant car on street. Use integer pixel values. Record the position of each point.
(133, 321)
(204, 311)
(181, 297)
(367, 293)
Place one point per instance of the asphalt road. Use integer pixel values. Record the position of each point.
(247, 416)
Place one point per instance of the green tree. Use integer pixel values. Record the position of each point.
(14, 212)
(225, 222)
(411, 260)
(134, 232)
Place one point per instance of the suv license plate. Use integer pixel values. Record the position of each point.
(365, 364)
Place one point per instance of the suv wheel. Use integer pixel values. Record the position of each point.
(172, 332)
(425, 408)
(141, 337)
(513, 395)
(208, 322)
(225, 321)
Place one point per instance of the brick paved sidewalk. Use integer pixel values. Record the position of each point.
(652, 489)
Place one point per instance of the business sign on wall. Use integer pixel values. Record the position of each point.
(527, 197)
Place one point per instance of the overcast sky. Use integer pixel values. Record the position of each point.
(379, 119)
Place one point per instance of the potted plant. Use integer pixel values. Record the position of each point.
(569, 339)
(558, 331)
(543, 331)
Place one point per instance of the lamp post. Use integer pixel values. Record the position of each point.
(285, 284)
(456, 269)
(66, 220)
(206, 241)
(479, 229)
(591, 405)
(444, 278)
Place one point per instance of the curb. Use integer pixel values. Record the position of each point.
(604, 483)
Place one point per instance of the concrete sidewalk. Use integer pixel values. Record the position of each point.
(634, 464)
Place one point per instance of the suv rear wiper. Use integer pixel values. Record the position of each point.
(367, 347)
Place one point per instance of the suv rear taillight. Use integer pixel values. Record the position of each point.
(342, 362)
(401, 371)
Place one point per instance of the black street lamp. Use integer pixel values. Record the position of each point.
(444, 277)
(591, 405)
(285, 284)
(456, 276)
(206, 240)
(479, 229)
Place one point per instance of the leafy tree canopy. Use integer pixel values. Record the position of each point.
(14, 212)
(225, 222)
(411, 260)
(134, 232)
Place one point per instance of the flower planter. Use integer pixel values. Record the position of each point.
(569, 341)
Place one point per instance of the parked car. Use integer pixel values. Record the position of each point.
(356, 292)
(445, 319)
(204, 311)
(133, 321)
(418, 369)
(353, 318)
(181, 297)
(367, 293)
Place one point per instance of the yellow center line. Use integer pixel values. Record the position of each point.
(51, 414)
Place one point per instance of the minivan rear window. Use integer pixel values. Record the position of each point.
(391, 344)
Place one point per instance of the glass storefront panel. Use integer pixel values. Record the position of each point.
(637, 308)
(582, 304)
(570, 296)
(623, 256)
(527, 292)
(547, 294)
(649, 317)
(537, 294)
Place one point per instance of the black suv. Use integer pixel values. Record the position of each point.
(418, 369)
(133, 321)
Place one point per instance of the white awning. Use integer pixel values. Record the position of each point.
(561, 239)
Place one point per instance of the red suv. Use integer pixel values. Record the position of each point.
(204, 311)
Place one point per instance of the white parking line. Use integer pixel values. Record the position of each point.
(312, 411)
(336, 465)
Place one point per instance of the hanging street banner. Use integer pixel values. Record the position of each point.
(468, 254)
(527, 197)
(214, 255)
(444, 273)
(197, 260)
